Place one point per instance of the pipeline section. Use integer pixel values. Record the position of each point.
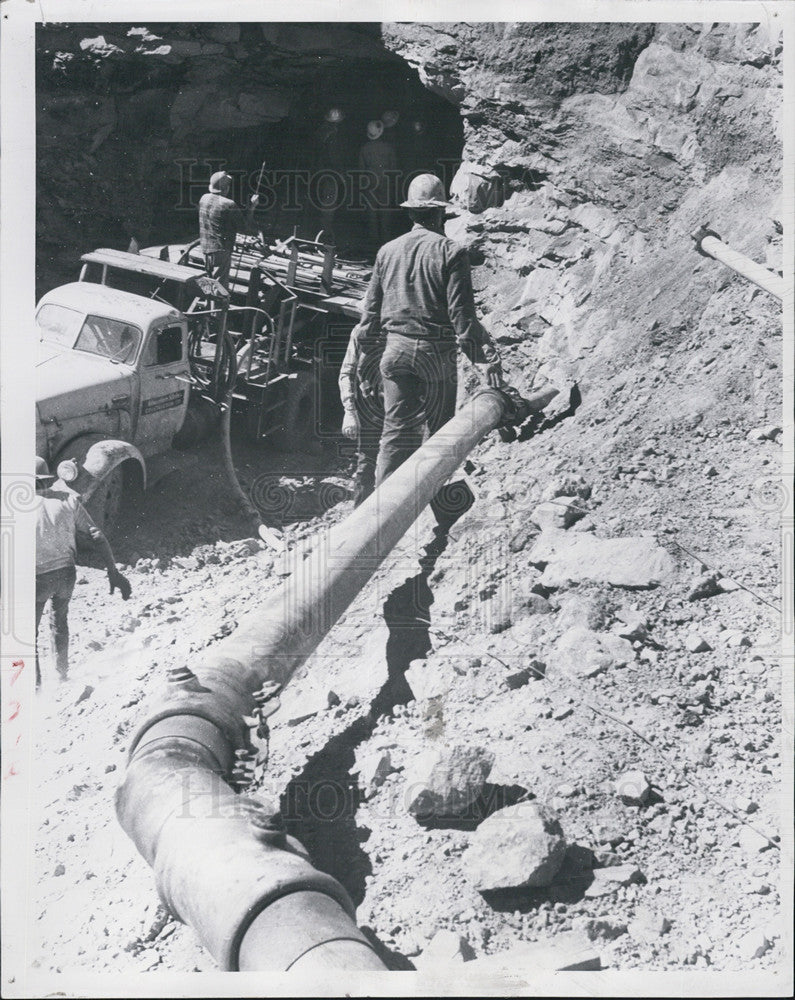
(709, 244)
(248, 890)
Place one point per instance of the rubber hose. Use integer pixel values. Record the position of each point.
(226, 439)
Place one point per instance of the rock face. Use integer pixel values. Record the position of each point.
(445, 780)
(522, 845)
(622, 562)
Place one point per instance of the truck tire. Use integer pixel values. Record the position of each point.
(105, 504)
(297, 429)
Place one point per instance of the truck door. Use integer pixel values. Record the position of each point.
(163, 372)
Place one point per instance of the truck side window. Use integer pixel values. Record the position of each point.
(165, 348)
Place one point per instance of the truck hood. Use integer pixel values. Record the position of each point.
(61, 372)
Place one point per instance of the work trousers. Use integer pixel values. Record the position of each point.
(420, 377)
(56, 586)
(370, 413)
(218, 264)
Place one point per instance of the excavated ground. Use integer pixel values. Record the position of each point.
(585, 270)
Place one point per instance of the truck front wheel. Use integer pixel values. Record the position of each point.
(105, 503)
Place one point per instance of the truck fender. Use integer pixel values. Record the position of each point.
(96, 458)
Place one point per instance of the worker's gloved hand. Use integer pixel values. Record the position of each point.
(368, 389)
(254, 200)
(494, 376)
(115, 579)
(350, 424)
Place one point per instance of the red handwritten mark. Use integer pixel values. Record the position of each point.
(11, 772)
(15, 713)
(17, 667)
(19, 737)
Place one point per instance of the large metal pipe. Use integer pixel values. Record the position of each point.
(251, 894)
(709, 244)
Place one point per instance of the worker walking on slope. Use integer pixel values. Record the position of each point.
(378, 163)
(220, 220)
(60, 519)
(364, 418)
(419, 303)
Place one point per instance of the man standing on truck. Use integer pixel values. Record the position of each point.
(220, 220)
(364, 418)
(419, 303)
(60, 520)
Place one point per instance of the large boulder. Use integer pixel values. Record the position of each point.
(521, 845)
(445, 780)
(622, 562)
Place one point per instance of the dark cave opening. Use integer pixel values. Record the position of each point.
(132, 121)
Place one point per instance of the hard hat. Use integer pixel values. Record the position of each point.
(334, 115)
(426, 191)
(219, 181)
(42, 469)
(375, 129)
(390, 118)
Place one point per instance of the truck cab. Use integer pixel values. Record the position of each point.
(112, 385)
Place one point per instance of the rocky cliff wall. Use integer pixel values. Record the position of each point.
(591, 153)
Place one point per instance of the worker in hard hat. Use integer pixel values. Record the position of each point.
(378, 164)
(220, 220)
(60, 520)
(332, 161)
(363, 418)
(390, 120)
(418, 305)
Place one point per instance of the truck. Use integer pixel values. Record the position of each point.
(141, 354)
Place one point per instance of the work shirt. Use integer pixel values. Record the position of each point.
(349, 371)
(421, 287)
(377, 158)
(220, 220)
(60, 516)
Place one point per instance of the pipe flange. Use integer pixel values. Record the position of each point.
(700, 234)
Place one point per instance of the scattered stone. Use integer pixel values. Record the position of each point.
(538, 605)
(622, 562)
(586, 653)
(618, 874)
(745, 805)
(521, 845)
(560, 513)
(710, 471)
(736, 640)
(566, 952)
(633, 788)
(707, 585)
(695, 643)
(648, 925)
(562, 712)
(110, 768)
(431, 678)
(59, 870)
(754, 945)
(517, 679)
(312, 701)
(445, 947)
(129, 624)
(85, 694)
(767, 433)
(601, 928)
(572, 487)
(632, 626)
(727, 585)
(373, 767)
(445, 780)
(93, 644)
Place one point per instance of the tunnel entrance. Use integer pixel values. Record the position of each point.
(132, 120)
(308, 171)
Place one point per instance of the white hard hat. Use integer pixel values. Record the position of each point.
(42, 470)
(334, 115)
(219, 181)
(375, 129)
(390, 118)
(426, 191)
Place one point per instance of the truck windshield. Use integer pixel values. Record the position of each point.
(109, 338)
